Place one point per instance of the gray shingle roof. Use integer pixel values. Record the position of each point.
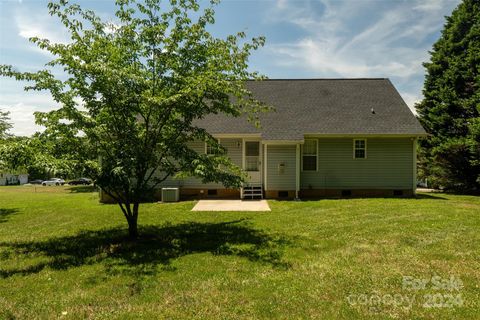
(322, 106)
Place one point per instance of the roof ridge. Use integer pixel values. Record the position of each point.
(315, 79)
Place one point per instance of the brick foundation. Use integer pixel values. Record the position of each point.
(186, 193)
(191, 193)
(342, 193)
(277, 194)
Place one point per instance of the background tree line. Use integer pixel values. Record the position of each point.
(58, 151)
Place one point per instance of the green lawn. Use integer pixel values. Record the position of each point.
(64, 255)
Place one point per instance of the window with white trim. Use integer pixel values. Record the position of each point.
(309, 155)
(209, 149)
(359, 148)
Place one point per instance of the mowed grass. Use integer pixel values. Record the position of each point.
(64, 255)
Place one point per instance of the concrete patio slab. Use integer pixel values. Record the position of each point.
(231, 205)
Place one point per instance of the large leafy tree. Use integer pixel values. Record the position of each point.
(451, 107)
(136, 86)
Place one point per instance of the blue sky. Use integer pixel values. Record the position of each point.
(305, 39)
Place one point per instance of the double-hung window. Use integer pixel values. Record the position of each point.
(359, 149)
(309, 155)
(209, 149)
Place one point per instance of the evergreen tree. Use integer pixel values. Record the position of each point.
(451, 107)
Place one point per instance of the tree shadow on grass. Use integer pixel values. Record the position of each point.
(157, 246)
(4, 213)
(82, 189)
(429, 196)
(418, 196)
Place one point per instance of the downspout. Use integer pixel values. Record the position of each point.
(414, 186)
(243, 165)
(265, 168)
(297, 172)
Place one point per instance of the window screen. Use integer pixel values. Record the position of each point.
(309, 156)
(252, 153)
(360, 149)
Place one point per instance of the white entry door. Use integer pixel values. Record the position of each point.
(252, 163)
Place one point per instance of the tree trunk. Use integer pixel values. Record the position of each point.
(132, 227)
(132, 222)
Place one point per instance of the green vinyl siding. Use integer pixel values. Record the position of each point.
(234, 151)
(389, 164)
(277, 154)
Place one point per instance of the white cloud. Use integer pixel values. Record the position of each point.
(21, 116)
(19, 23)
(324, 57)
(281, 4)
(21, 110)
(430, 5)
(361, 39)
(39, 24)
(368, 52)
(411, 100)
(112, 27)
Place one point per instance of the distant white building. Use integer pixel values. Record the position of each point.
(7, 179)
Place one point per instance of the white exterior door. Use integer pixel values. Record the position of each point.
(252, 161)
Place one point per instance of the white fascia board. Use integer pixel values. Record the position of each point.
(366, 135)
(236, 135)
(285, 142)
